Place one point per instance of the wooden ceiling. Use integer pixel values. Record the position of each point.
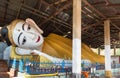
(55, 16)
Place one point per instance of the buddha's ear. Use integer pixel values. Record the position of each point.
(32, 23)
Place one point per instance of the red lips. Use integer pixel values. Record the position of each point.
(38, 39)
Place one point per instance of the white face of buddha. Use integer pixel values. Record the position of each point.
(26, 36)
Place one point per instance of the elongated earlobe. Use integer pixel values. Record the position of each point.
(32, 23)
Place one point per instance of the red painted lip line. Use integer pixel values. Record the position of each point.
(38, 39)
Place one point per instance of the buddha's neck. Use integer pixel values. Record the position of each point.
(40, 47)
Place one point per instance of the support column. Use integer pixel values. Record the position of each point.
(76, 42)
(114, 50)
(99, 51)
(108, 72)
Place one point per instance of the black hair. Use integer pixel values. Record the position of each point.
(4, 34)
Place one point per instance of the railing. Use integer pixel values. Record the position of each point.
(36, 68)
(99, 71)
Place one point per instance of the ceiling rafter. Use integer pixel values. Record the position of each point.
(115, 26)
(39, 7)
(99, 3)
(19, 10)
(58, 2)
(104, 17)
(99, 43)
(91, 6)
(91, 15)
(89, 26)
(40, 14)
(2, 20)
(113, 5)
(93, 36)
(57, 28)
(68, 3)
(35, 7)
(93, 30)
(44, 2)
(5, 13)
(108, 3)
(87, 3)
(57, 12)
(45, 16)
(114, 17)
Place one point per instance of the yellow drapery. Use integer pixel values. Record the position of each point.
(58, 46)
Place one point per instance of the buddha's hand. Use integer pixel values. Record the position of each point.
(36, 52)
(22, 51)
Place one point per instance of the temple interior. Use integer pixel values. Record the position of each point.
(59, 39)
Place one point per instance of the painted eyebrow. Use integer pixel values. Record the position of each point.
(23, 26)
(19, 38)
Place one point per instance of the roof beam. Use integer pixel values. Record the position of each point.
(40, 14)
(6, 7)
(114, 17)
(36, 6)
(19, 10)
(57, 2)
(104, 17)
(115, 26)
(44, 2)
(98, 3)
(45, 16)
(60, 22)
(108, 3)
(87, 3)
(93, 36)
(57, 12)
(113, 5)
(89, 26)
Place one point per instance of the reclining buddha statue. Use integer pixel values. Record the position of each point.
(27, 41)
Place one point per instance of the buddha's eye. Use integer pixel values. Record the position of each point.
(28, 27)
(24, 40)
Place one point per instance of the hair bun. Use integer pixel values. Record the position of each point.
(4, 32)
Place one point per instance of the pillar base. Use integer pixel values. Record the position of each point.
(76, 75)
(108, 74)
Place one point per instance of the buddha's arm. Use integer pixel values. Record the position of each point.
(51, 58)
(22, 51)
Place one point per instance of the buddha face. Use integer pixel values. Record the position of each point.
(26, 36)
